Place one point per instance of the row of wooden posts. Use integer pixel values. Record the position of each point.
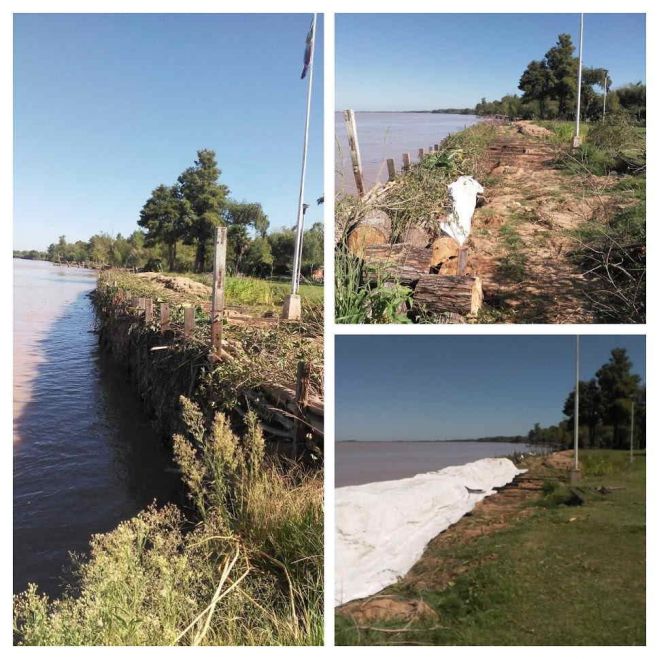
(356, 158)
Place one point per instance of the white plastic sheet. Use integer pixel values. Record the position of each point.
(383, 528)
(463, 194)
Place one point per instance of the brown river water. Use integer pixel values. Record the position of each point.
(85, 456)
(385, 135)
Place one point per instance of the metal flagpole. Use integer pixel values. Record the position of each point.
(575, 471)
(300, 206)
(577, 139)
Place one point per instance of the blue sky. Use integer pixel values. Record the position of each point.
(427, 61)
(461, 387)
(108, 106)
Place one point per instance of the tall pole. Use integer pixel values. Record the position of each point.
(606, 76)
(577, 138)
(300, 209)
(576, 413)
(631, 438)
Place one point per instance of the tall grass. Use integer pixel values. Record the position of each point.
(244, 567)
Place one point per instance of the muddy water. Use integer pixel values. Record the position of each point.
(385, 135)
(358, 463)
(85, 457)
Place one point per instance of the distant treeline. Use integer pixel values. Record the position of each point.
(454, 111)
(549, 90)
(177, 226)
(605, 404)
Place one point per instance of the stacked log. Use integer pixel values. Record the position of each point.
(403, 263)
(373, 229)
(442, 294)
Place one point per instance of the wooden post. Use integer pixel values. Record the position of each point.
(391, 168)
(463, 256)
(217, 302)
(148, 310)
(355, 155)
(430, 149)
(406, 162)
(164, 317)
(421, 154)
(302, 400)
(134, 301)
(141, 302)
(188, 321)
(436, 147)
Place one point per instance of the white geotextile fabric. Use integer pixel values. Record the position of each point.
(382, 528)
(462, 194)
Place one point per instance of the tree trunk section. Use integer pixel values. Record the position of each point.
(449, 294)
(403, 263)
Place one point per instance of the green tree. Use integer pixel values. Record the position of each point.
(207, 198)
(563, 67)
(536, 83)
(312, 248)
(618, 387)
(259, 259)
(248, 215)
(166, 215)
(590, 409)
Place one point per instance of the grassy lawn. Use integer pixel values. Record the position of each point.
(565, 575)
(254, 292)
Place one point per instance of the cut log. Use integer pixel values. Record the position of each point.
(402, 262)
(443, 249)
(452, 294)
(363, 236)
(417, 236)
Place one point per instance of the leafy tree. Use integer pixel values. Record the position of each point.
(631, 99)
(166, 215)
(536, 83)
(313, 248)
(590, 408)
(249, 215)
(259, 259)
(563, 66)
(207, 198)
(618, 387)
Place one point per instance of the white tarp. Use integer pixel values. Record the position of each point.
(462, 194)
(383, 528)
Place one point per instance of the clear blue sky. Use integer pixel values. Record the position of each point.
(427, 61)
(109, 106)
(461, 387)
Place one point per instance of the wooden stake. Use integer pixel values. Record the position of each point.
(463, 257)
(141, 302)
(406, 162)
(421, 154)
(164, 317)
(217, 302)
(391, 168)
(355, 156)
(148, 310)
(436, 147)
(188, 321)
(301, 399)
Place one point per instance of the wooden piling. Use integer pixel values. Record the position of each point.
(164, 317)
(421, 154)
(406, 162)
(463, 257)
(188, 321)
(391, 168)
(436, 148)
(141, 302)
(355, 155)
(217, 302)
(302, 387)
(148, 310)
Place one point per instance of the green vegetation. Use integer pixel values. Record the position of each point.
(560, 575)
(177, 226)
(416, 199)
(243, 567)
(549, 90)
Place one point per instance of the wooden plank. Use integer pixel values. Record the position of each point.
(141, 302)
(165, 322)
(403, 262)
(355, 155)
(406, 162)
(449, 294)
(391, 168)
(188, 321)
(217, 300)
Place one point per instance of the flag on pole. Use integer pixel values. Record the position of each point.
(307, 52)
